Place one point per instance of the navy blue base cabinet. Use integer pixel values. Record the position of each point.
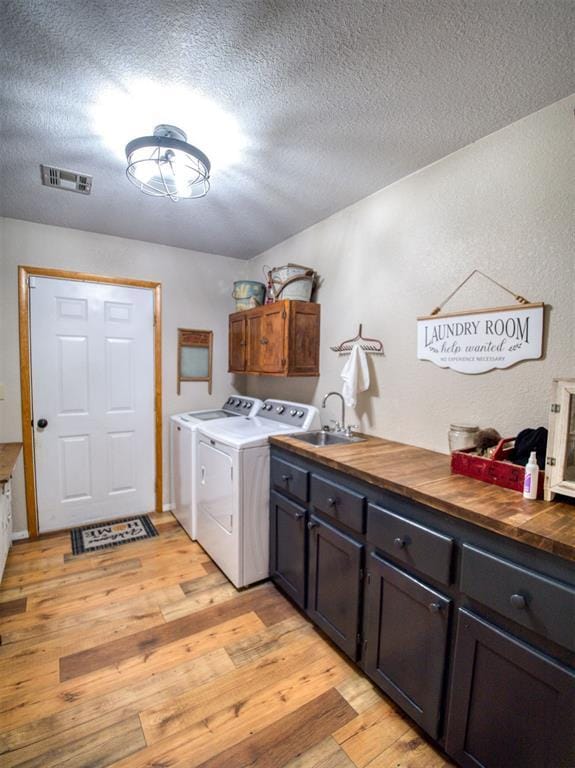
(406, 650)
(470, 633)
(335, 584)
(510, 705)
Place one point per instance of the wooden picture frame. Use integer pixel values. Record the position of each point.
(190, 338)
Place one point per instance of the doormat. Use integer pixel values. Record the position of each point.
(90, 538)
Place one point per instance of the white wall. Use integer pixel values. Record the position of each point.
(503, 205)
(196, 293)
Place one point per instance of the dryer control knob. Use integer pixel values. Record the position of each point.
(300, 414)
(280, 409)
(293, 412)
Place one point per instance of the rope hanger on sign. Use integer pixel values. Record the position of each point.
(516, 296)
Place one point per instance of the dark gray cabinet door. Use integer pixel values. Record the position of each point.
(335, 580)
(510, 705)
(407, 631)
(287, 547)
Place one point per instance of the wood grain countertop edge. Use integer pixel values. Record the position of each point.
(9, 453)
(348, 458)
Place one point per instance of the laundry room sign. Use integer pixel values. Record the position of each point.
(476, 341)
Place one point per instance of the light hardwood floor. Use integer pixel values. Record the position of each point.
(145, 656)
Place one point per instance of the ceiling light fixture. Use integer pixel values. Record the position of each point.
(165, 165)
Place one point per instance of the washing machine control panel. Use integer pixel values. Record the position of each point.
(295, 414)
(243, 406)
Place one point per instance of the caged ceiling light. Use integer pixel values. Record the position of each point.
(165, 165)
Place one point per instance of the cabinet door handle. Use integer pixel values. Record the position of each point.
(518, 601)
(286, 478)
(202, 475)
(312, 524)
(435, 607)
(263, 340)
(399, 543)
(331, 502)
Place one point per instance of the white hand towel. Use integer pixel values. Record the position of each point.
(355, 375)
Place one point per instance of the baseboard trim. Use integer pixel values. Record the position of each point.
(168, 507)
(19, 535)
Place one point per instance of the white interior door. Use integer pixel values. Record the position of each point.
(92, 357)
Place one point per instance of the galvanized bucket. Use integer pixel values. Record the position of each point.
(291, 281)
(248, 294)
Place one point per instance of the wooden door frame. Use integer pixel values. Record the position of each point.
(24, 273)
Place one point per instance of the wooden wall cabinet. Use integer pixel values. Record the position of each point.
(280, 339)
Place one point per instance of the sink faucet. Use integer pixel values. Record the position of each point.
(338, 427)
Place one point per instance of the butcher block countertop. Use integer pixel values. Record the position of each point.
(425, 476)
(9, 452)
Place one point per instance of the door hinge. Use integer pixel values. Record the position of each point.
(283, 361)
(551, 461)
(284, 314)
(31, 281)
(368, 577)
(361, 574)
(358, 638)
(555, 408)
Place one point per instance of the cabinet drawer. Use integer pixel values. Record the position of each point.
(290, 479)
(422, 548)
(535, 601)
(339, 503)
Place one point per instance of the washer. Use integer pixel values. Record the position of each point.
(233, 468)
(182, 428)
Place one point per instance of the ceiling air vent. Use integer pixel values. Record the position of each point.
(70, 180)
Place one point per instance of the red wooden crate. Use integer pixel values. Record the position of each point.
(497, 470)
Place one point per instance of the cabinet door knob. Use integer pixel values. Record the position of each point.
(312, 524)
(435, 607)
(286, 478)
(331, 502)
(299, 515)
(399, 543)
(263, 340)
(518, 601)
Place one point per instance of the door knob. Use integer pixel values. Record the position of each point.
(42, 423)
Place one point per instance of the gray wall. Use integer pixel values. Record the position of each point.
(196, 293)
(503, 205)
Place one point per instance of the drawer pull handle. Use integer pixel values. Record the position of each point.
(399, 543)
(299, 515)
(435, 607)
(331, 502)
(286, 478)
(312, 524)
(518, 601)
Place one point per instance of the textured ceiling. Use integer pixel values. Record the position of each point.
(335, 98)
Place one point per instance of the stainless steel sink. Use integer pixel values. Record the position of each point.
(322, 438)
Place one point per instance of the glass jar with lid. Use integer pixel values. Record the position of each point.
(462, 436)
